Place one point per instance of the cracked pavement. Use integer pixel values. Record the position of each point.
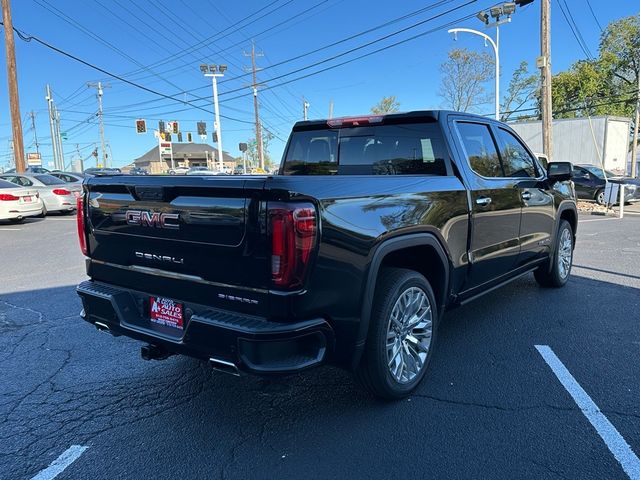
(488, 408)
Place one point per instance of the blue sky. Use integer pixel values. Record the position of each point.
(156, 39)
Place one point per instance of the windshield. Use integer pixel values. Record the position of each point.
(407, 149)
(598, 172)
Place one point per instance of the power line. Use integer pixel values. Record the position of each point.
(575, 31)
(29, 38)
(594, 15)
(367, 44)
(331, 67)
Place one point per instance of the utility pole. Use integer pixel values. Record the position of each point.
(254, 86)
(35, 133)
(305, 109)
(99, 86)
(544, 63)
(80, 158)
(634, 145)
(54, 142)
(12, 79)
(58, 139)
(331, 108)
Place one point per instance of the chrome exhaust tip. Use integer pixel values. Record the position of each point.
(103, 327)
(224, 366)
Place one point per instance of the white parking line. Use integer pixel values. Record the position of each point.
(612, 438)
(59, 464)
(598, 219)
(10, 229)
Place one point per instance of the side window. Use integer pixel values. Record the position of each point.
(515, 159)
(25, 182)
(481, 149)
(578, 172)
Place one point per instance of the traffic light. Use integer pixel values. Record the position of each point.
(174, 127)
(214, 135)
(141, 126)
(189, 137)
(161, 126)
(180, 136)
(167, 136)
(202, 128)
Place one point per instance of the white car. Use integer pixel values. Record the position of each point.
(18, 203)
(179, 171)
(57, 195)
(203, 171)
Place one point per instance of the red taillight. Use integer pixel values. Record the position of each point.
(354, 121)
(293, 239)
(61, 191)
(7, 197)
(82, 237)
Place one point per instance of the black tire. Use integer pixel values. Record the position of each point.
(374, 373)
(16, 220)
(555, 277)
(599, 197)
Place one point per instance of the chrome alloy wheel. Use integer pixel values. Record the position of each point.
(565, 253)
(409, 334)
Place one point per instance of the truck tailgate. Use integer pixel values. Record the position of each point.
(205, 229)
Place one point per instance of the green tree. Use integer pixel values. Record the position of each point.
(386, 105)
(463, 77)
(252, 150)
(523, 88)
(606, 85)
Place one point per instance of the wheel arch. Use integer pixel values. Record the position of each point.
(399, 252)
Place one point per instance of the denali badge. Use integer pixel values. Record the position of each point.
(146, 218)
(159, 258)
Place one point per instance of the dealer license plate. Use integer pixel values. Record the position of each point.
(167, 312)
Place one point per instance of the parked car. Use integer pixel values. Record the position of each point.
(31, 169)
(57, 195)
(178, 171)
(203, 171)
(373, 228)
(102, 171)
(590, 184)
(18, 203)
(138, 171)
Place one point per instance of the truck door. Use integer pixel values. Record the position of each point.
(537, 224)
(496, 206)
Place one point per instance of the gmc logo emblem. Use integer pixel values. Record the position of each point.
(145, 218)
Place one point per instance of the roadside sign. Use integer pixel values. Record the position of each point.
(34, 159)
(165, 148)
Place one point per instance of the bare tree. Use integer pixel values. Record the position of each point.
(386, 105)
(463, 77)
(523, 87)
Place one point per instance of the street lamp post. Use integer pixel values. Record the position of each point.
(496, 52)
(215, 71)
(506, 9)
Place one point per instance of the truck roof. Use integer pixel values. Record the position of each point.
(400, 117)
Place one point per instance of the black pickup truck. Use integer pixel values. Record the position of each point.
(373, 228)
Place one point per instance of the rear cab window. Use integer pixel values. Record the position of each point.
(413, 148)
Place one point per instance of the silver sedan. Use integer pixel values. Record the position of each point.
(18, 203)
(55, 193)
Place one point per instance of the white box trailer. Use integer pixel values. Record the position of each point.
(575, 142)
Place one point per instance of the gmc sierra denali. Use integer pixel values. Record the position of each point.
(373, 228)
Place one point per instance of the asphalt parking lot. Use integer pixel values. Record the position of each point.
(490, 406)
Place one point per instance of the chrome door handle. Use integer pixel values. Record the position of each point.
(526, 195)
(484, 201)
